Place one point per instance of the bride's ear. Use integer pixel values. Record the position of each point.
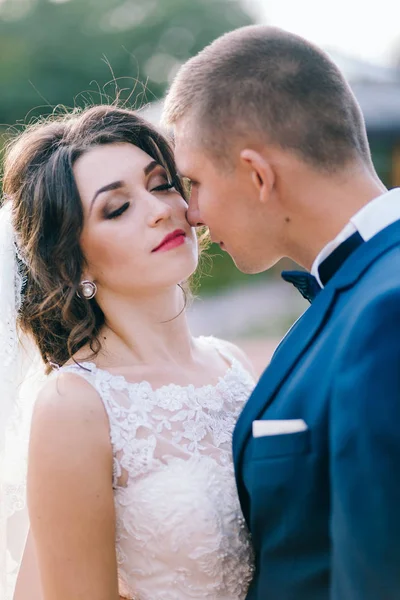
(261, 172)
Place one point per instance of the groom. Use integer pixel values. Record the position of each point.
(273, 140)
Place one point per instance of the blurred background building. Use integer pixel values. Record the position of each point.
(57, 54)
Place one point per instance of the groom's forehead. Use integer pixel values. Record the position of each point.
(187, 150)
(182, 159)
(185, 136)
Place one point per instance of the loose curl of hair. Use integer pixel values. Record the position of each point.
(48, 220)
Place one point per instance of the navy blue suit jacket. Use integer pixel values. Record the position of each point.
(323, 505)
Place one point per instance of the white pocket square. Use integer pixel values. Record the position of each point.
(278, 427)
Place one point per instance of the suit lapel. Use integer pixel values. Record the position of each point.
(282, 363)
(303, 333)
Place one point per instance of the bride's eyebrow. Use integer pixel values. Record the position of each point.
(151, 166)
(115, 185)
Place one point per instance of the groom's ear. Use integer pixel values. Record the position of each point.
(261, 172)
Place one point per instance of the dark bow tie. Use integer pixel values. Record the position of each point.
(307, 284)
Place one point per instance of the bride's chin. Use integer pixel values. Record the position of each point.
(184, 270)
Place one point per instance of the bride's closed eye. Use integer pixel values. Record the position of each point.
(162, 187)
(169, 185)
(119, 211)
(159, 181)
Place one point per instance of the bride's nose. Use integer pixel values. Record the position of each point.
(159, 210)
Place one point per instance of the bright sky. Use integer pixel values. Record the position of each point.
(367, 29)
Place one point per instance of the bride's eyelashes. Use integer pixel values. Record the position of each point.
(163, 187)
(165, 182)
(119, 211)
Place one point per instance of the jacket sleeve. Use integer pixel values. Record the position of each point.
(365, 456)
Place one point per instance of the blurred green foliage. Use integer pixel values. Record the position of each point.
(217, 272)
(78, 51)
(382, 152)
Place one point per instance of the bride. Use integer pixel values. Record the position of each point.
(130, 486)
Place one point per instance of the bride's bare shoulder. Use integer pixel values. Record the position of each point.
(70, 428)
(67, 397)
(239, 354)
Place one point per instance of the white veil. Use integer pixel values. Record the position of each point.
(21, 375)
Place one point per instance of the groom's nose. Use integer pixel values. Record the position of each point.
(193, 214)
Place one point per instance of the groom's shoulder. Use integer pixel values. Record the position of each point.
(382, 275)
(373, 301)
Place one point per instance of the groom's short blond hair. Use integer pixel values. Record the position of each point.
(265, 82)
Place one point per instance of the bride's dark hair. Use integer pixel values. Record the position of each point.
(48, 219)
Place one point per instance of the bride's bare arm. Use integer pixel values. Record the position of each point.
(70, 493)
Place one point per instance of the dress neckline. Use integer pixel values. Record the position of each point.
(121, 382)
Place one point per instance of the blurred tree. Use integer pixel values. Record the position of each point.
(65, 51)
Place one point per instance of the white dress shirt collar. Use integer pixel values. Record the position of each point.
(370, 220)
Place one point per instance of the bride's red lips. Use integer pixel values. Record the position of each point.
(171, 240)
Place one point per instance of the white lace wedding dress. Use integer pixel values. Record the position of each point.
(180, 532)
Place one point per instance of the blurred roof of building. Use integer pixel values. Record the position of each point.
(377, 89)
(357, 70)
(380, 104)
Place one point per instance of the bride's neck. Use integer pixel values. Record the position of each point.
(149, 329)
